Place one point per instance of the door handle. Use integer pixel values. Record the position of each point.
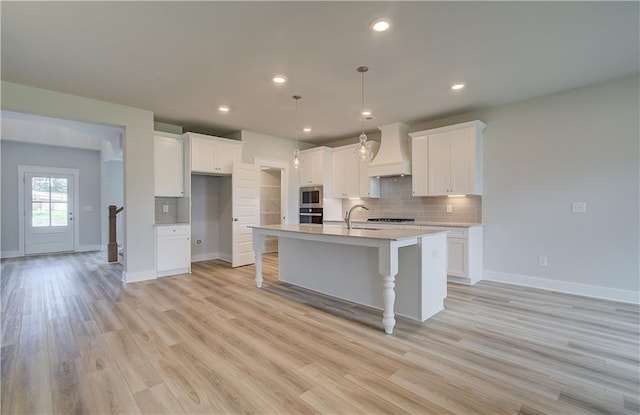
(235, 219)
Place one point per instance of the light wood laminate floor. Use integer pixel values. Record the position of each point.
(75, 340)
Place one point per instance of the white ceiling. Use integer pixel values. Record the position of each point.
(183, 59)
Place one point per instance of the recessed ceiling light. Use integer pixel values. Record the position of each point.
(366, 113)
(307, 129)
(223, 108)
(457, 86)
(380, 25)
(279, 79)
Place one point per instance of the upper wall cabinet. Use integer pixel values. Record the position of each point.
(213, 155)
(448, 160)
(315, 169)
(350, 176)
(168, 152)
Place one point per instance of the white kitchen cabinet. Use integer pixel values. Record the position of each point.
(168, 159)
(350, 175)
(420, 166)
(464, 246)
(315, 163)
(213, 155)
(448, 160)
(173, 249)
(345, 175)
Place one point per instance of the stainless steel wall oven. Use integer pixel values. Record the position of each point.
(311, 204)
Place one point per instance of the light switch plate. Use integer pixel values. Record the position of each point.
(579, 207)
(449, 208)
(165, 208)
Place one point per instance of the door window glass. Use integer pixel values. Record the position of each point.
(49, 202)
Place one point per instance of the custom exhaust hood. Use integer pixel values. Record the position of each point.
(394, 156)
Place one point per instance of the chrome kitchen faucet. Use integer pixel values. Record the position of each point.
(347, 218)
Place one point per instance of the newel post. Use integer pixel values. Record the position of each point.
(113, 245)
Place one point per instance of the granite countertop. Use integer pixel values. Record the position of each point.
(419, 223)
(171, 224)
(336, 230)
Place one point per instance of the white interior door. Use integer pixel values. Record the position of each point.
(245, 205)
(49, 217)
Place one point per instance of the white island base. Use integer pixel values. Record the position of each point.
(398, 271)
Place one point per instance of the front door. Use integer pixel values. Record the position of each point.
(49, 217)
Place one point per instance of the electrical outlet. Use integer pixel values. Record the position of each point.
(542, 261)
(165, 208)
(578, 207)
(449, 208)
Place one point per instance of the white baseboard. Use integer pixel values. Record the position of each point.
(82, 248)
(11, 254)
(89, 248)
(459, 280)
(205, 257)
(225, 257)
(128, 277)
(613, 294)
(172, 272)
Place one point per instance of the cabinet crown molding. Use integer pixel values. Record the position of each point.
(479, 125)
(214, 138)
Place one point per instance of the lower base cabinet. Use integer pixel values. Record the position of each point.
(173, 250)
(464, 247)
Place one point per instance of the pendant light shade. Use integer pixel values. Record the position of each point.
(363, 151)
(297, 163)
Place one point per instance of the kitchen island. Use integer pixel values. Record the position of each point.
(401, 271)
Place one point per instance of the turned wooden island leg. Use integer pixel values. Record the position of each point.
(388, 268)
(258, 248)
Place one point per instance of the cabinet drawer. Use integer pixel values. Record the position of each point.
(451, 232)
(172, 230)
(458, 232)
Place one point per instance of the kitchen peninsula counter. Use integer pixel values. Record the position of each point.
(396, 270)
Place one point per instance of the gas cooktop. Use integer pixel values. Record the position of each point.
(390, 220)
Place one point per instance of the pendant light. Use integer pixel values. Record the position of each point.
(297, 163)
(363, 151)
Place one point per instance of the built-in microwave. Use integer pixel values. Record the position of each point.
(311, 197)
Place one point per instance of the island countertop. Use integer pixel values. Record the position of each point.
(344, 263)
(399, 224)
(336, 230)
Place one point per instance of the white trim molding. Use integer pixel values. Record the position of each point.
(11, 254)
(128, 277)
(24, 169)
(567, 287)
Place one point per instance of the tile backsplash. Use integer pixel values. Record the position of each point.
(396, 201)
(172, 215)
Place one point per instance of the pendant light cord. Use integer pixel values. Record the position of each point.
(362, 70)
(362, 107)
(297, 98)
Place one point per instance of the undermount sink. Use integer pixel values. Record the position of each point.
(366, 229)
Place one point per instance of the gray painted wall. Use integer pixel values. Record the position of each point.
(88, 190)
(138, 161)
(544, 153)
(112, 194)
(205, 217)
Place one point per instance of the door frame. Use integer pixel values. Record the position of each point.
(284, 183)
(22, 170)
